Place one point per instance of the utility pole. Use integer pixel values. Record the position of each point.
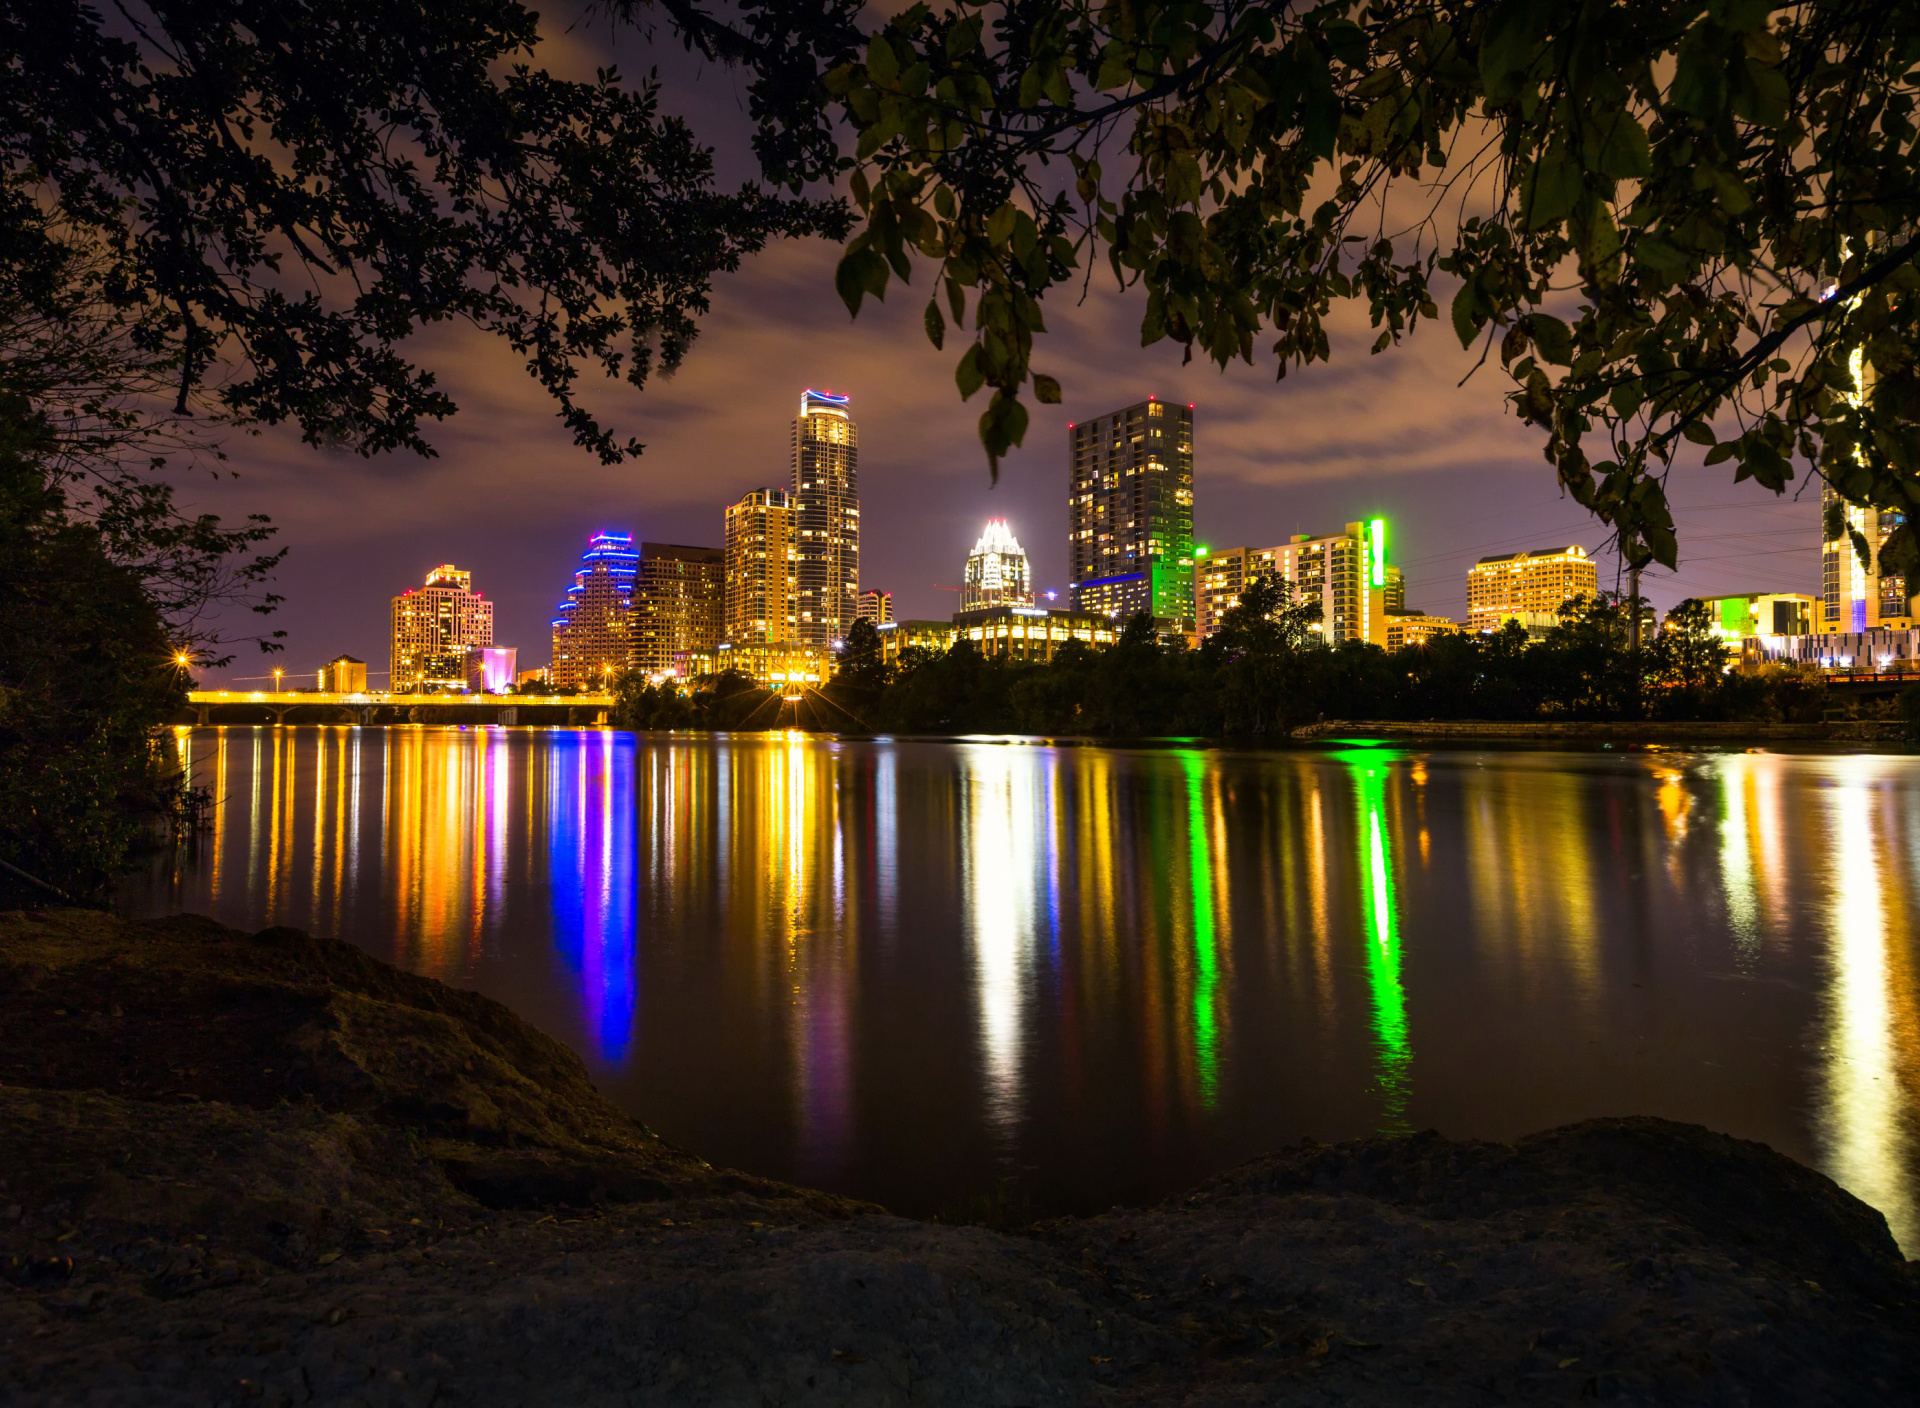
(1633, 631)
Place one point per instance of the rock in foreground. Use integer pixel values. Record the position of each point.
(271, 1169)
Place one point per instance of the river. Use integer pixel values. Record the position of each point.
(954, 975)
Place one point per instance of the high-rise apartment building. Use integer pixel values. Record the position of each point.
(1220, 575)
(997, 571)
(826, 494)
(593, 634)
(679, 603)
(762, 559)
(876, 606)
(1346, 572)
(1524, 583)
(1854, 595)
(1130, 513)
(432, 628)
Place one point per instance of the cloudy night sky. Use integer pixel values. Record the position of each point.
(511, 499)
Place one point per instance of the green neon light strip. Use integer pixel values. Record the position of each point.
(1382, 937)
(1378, 529)
(1206, 986)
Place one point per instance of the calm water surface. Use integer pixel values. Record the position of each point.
(919, 972)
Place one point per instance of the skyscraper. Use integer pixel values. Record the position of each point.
(997, 571)
(593, 634)
(826, 491)
(432, 628)
(761, 558)
(679, 603)
(876, 606)
(1130, 512)
(1857, 596)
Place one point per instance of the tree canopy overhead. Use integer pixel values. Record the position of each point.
(284, 190)
(1668, 220)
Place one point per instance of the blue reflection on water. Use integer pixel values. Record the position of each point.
(593, 871)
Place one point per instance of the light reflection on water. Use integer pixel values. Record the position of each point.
(910, 970)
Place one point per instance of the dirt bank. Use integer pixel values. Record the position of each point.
(269, 1169)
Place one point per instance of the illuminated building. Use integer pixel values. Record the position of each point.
(1218, 579)
(1743, 616)
(761, 557)
(1393, 595)
(826, 494)
(876, 606)
(679, 603)
(537, 678)
(1130, 513)
(490, 668)
(997, 572)
(784, 663)
(1883, 649)
(1405, 628)
(1031, 633)
(899, 636)
(593, 634)
(1346, 573)
(1856, 596)
(1522, 582)
(432, 628)
(343, 675)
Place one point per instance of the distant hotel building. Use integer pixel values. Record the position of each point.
(997, 571)
(433, 626)
(679, 604)
(826, 492)
(592, 635)
(876, 606)
(1857, 596)
(1523, 584)
(761, 559)
(1130, 513)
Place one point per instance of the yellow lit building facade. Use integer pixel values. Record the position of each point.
(1524, 583)
(761, 559)
(1031, 633)
(433, 627)
(826, 503)
(787, 663)
(1415, 628)
(899, 636)
(679, 603)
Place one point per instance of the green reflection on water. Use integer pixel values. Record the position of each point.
(1206, 1027)
(1382, 937)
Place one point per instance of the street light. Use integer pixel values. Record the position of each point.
(277, 672)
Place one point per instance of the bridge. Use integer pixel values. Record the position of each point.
(211, 706)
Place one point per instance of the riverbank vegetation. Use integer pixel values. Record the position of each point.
(1265, 673)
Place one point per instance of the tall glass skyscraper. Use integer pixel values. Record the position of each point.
(1130, 513)
(826, 490)
(593, 632)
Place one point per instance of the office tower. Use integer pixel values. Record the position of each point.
(592, 635)
(432, 628)
(343, 675)
(876, 606)
(1856, 596)
(826, 492)
(1130, 513)
(1523, 584)
(679, 603)
(997, 571)
(761, 560)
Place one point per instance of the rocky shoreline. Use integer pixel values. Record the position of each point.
(270, 1169)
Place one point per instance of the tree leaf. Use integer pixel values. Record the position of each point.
(936, 325)
(1046, 390)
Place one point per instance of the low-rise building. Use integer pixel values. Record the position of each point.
(1885, 649)
(898, 636)
(1405, 628)
(490, 668)
(786, 664)
(343, 675)
(1742, 616)
(1031, 633)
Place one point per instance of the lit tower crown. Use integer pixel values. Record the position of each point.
(593, 630)
(997, 571)
(826, 492)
